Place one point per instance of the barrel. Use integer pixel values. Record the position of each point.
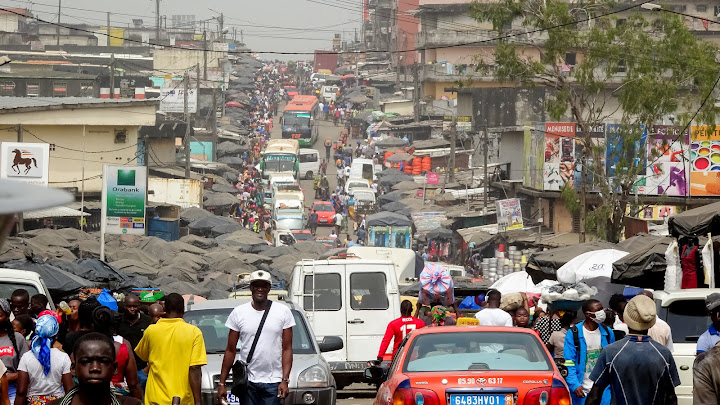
(426, 164)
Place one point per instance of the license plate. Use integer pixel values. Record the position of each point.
(481, 399)
(232, 399)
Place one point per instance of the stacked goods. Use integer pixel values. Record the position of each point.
(426, 164)
(388, 154)
(408, 168)
(417, 166)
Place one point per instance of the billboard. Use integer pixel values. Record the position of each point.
(123, 199)
(509, 214)
(26, 162)
(704, 161)
(172, 100)
(559, 167)
(667, 168)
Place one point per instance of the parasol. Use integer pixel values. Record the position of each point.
(436, 286)
(399, 157)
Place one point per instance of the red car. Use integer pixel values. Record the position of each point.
(325, 211)
(470, 365)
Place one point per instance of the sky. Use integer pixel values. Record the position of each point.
(267, 25)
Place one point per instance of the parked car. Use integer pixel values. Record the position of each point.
(684, 310)
(302, 235)
(311, 381)
(461, 365)
(325, 212)
(353, 184)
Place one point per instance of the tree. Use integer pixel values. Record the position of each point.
(633, 66)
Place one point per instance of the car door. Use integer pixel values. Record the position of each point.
(369, 309)
(327, 316)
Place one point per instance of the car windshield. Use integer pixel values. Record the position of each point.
(212, 325)
(354, 184)
(323, 207)
(288, 187)
(302, 236)
(687, 319)
(361, 196)
(463, 351)
(285, 165)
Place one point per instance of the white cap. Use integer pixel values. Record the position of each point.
(260, 275)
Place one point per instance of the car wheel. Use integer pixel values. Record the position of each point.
(309, 175)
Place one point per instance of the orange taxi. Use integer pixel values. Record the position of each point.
(470, 365)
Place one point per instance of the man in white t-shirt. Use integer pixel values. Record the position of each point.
(271, 362)
(492, 315)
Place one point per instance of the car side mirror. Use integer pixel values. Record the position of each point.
(374, 374)
(330, 344)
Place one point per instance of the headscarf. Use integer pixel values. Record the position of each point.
(5, 306)
(46, 327)
(438, 313)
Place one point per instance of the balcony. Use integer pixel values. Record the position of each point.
(435, 38)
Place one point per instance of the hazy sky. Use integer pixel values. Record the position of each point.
(314, 24)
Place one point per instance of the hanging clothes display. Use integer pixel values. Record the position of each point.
(688, 260)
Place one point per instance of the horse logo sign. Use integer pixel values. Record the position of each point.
(26, 162)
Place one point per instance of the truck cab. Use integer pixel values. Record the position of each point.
(352, 298)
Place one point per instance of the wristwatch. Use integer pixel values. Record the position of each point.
(287, 380)
(221, 383)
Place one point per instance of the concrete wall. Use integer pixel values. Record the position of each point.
(162, 152)
(510, 144)
(407, 28)
(10, 22)
(178, 60)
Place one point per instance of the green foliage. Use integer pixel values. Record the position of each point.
(633, 68)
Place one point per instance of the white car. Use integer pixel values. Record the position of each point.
(360, 184)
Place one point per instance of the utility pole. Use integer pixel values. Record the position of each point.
(20, 220)
(583, 187)
(453, 141)
(157, 24)
(112, 76)
(222, 26)
(416, 93)
(242, 37)
(108, 29)
(204, 59)
(486, 183)
(214, 124)
(58, 22)
(186, 88)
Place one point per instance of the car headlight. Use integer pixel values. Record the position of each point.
(314, 376)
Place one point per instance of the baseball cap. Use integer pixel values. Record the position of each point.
(260, 275)
(712, 301)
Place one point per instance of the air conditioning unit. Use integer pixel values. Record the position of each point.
(120, 136)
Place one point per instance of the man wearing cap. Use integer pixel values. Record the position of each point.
(711, 336)
(639, 370)
(271, 361)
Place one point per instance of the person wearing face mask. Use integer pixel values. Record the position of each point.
(583, 344)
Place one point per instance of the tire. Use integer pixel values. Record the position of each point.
(309, 175)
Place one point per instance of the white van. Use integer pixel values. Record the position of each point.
(363, 169)
(328, 93)
(402, 259)
(354, 183)
(352, 298)
(309, 163)
(11, 280)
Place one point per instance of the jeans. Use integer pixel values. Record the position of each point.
(261, 394)
(142, 379)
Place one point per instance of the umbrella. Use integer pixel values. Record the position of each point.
(598, 263)
(225, 229)
(518, 281)
(399, 157)
(440, 233)
(394, 206)
(389, 172)
(406, 185)
(544, 265)
(233, 104)
(390, 142)
(390, 197)
(210, 222)
(394, 179)
(436, 286)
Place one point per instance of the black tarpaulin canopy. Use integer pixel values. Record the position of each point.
(440, 233)
(696, 222)
(645, 265)
(544, 265)
(388, 219)
(59, 282)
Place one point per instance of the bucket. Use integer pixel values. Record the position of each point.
(701, 164)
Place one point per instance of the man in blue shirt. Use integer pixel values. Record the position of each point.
(711, 336)
(638, 370)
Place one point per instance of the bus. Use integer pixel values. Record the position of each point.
(280, 157)
(300, 120)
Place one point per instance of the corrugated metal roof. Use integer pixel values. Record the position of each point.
(56, 212)
(13, 103)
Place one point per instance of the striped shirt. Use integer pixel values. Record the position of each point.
(639, 370)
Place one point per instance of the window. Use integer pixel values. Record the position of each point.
(33, 89)
(52, 147)
(7, 288)
(570, 59)
(308, 157)
(87, 89)
(7, 89)
(326, 295)
(370, 288)
(701, 8)
(59, 89)
(687, 319)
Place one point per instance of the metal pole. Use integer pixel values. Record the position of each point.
(157, 24)
(222, 27)
(357, 69)
(58, 22)
(20, 220)
(82, 189)
(112, 76)
(486, 183)
(186, 80)
(214, 125)
(416, 94)
(108, 29)
(204, 59)
(453, 141)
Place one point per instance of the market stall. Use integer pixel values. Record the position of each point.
(388, 229)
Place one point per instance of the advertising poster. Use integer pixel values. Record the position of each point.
(704, 161)
(667, 169)
(559, 164)
(26, 162)
(597, 136)
(509, 214)
(614, 138)
(654, 212)
(534, 143)
(123, 199)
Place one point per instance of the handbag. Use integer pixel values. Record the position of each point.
(240, 368)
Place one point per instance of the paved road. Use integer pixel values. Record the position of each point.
(356, 394)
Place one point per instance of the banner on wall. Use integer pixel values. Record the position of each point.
(597, 138)
(667, 168)
(704, 161)
(534, 144)
(559, 167)
(654, 212)
(509, 214)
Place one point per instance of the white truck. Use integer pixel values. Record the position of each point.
(11, 280)
(288, 212)
(351, 298)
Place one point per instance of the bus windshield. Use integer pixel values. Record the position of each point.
(296, 119)
(279, 163)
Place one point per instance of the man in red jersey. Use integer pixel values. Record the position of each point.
(399, 328)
